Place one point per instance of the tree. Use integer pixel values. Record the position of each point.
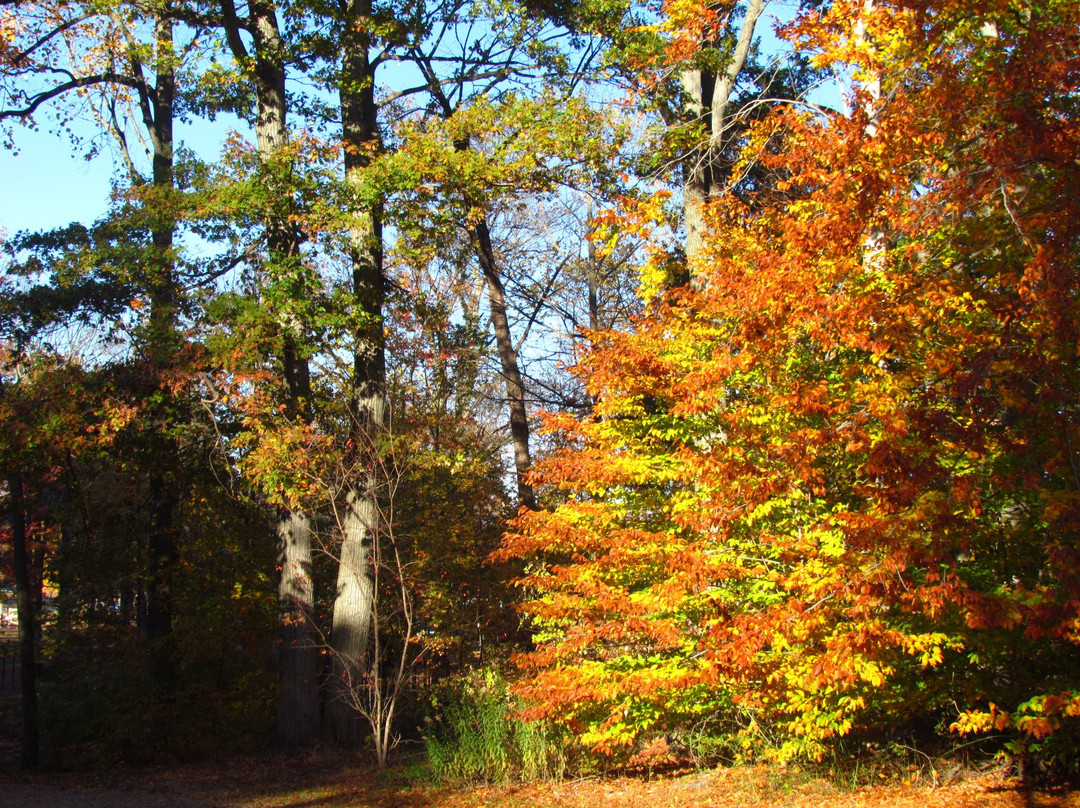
(478, 158)
(298, 698)
(708, 83)
(835, 484)
(28, 616)
(373, 173)
(43, 402)
(147, 82)
(128, 278)
(353, 320)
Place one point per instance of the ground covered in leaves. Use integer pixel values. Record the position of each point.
(276, 782)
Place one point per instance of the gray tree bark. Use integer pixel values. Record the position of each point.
(697, 176)
(298, 660)
(351, 628)
(707, 97)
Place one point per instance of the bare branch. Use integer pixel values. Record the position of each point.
(74, 84)
(43, 40)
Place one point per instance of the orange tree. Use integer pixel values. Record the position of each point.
(835, 487)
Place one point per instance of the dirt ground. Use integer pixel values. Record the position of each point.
(268, 781)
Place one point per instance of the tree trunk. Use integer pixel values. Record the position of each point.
(28, 624)
(592, 276)
(298, 660)
(697, 177)
(351, 628)
(515, 390)
(162, 555)
(504, 344)
(162, 545)
(298, 663)
(706, 97)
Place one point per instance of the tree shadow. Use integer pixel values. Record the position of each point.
(315, 779)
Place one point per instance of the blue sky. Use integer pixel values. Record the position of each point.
(47, 186)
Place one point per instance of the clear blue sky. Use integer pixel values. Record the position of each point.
(46, 186)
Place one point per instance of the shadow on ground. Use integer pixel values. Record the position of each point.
(254, 781)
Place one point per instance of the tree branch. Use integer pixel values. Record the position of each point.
(86, 81)
(232, 31)
(56, 31)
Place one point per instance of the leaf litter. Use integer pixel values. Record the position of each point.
(266, 781)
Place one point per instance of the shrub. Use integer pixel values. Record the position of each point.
(473, 735)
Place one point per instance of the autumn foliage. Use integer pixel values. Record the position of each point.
(835, 485)
(817, 484)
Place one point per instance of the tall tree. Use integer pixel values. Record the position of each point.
(352, 622)
(156, 102)
(708, 82)
(298, 705)
(504, 56)
(137, 77)
(837, 480)
(450, 78)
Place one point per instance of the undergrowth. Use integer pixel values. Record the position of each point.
(472, 735)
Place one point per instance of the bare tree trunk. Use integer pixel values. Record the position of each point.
(515, 390)
(592, 275)
(697, 177)
(298, 662)
(504, 344)
(351, 628)
(28, 624)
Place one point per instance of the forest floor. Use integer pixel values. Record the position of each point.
(267, 781)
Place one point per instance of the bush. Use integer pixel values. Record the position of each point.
(472, 735)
